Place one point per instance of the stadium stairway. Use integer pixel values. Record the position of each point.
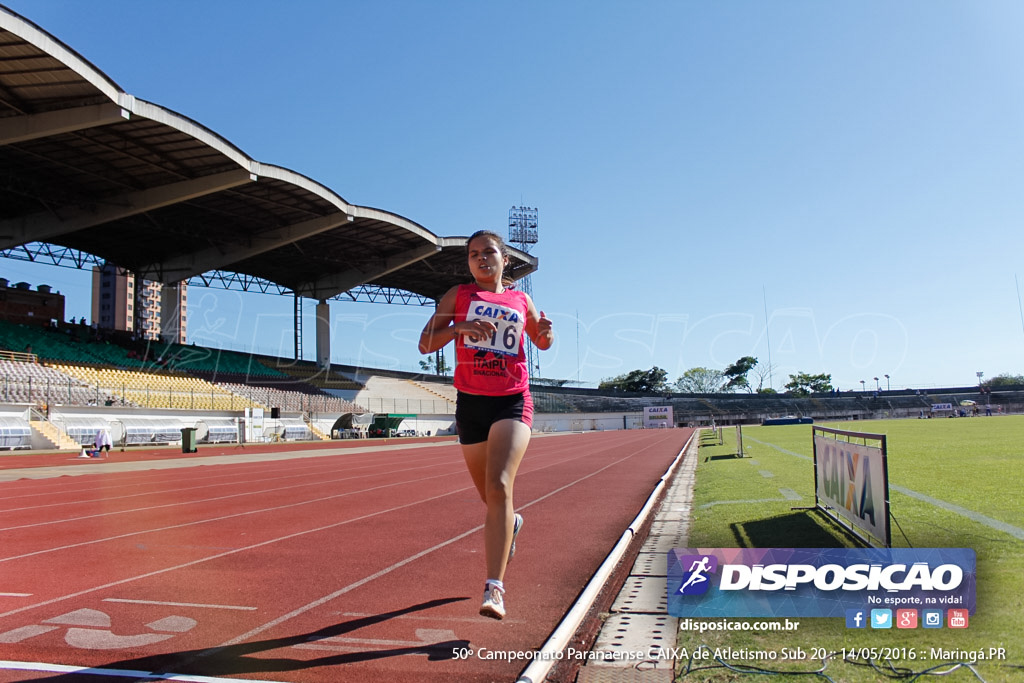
(316, 431)
(57, 439)
(433, 388)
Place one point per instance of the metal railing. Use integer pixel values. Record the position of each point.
(50, 392)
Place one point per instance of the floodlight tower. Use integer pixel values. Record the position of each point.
(522, 234)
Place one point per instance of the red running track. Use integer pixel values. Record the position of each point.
(354, 566)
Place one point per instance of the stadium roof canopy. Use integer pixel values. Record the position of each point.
(90, 168)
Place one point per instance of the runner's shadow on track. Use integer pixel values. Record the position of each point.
(239, 659)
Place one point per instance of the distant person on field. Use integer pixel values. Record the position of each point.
(494, 411)
(102, 442)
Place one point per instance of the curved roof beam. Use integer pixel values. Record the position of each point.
(331, 286)
(222, 257)
(27, 30)
(14, 129)
(44, 226)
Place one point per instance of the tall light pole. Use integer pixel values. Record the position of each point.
(888, 387)
(980, 375)
(862, 386)
(878, 387)
(523, 234)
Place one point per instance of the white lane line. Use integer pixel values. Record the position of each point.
(401, 563)
(136, 466)
(231, 480)
(220, 519)
(15, 595)
(707, 506)
(413, 617)
(177, 604)
(234, 551)
(187, 503)
(990, 522)
(299, 534)
(458, 471)
(121, 673)
(978, 517)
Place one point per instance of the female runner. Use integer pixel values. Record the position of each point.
(493, 411)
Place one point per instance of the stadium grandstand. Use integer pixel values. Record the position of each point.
(71, 383)
(96, 176)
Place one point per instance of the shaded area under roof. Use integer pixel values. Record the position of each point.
(86, 166)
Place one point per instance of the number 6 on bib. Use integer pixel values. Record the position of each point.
(508, 328)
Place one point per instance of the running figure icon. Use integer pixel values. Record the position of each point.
(697, 571)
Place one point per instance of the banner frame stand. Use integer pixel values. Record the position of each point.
(838, 515)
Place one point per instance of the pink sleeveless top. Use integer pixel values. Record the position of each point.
(495, 366)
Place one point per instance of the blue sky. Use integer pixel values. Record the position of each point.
(836, 186)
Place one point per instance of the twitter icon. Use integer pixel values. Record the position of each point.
(881, 618)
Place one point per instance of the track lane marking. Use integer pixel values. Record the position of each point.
(220, 519)
(320, 482)
(552, 462)
(157, 572)
(397, 565)
(130, 601)
(459, 466)
(297, 534)
(160, 492)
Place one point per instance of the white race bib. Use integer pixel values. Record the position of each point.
(509, 325)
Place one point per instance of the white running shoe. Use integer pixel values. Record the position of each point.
(494, 602)
(516, 526)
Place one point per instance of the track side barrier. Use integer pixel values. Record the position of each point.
(547, 657)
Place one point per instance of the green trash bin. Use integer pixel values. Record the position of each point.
(188, 440)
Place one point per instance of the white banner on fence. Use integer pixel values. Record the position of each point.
(851, 481)
(657, 416)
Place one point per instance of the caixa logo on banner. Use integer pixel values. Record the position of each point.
(816, 582)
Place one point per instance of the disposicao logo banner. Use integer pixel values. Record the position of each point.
(817, 582)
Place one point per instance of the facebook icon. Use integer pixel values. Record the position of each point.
(856, 618)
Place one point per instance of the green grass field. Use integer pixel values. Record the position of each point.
(976, 464)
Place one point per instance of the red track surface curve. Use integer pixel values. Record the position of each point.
(345, 565)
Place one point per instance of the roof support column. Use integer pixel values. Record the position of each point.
(323, 334)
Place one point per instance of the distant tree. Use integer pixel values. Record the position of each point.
(1003, 380)
(802, 384)
(736, 374)
(701, 381)
(763, 373)
(641, 381)
(439, 368)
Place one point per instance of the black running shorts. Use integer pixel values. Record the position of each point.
(474, 414)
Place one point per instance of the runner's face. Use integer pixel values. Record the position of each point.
(486, 261)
